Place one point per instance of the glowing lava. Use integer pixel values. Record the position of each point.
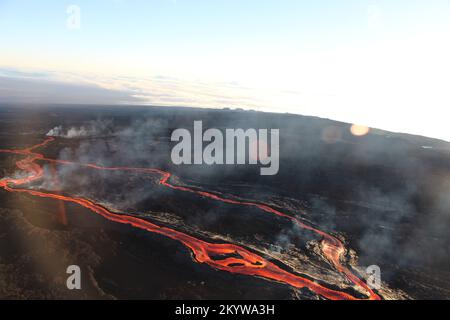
(234, 259)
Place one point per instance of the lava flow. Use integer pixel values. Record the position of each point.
(235, 259)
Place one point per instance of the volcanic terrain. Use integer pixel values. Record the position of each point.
(94, 186)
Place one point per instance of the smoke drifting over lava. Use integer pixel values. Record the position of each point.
(336, 206)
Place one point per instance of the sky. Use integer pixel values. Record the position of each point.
(378, 63)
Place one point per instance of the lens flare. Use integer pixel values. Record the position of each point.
(359, 130)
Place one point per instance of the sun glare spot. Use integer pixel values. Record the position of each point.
(359, 130)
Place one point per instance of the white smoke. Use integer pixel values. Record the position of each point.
(72, 132)
(93, 128)
(55, 132)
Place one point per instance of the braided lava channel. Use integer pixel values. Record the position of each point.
(240, 260)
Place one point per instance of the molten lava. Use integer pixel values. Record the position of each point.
(239, 260)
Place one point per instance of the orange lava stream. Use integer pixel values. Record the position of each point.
(247, 263)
